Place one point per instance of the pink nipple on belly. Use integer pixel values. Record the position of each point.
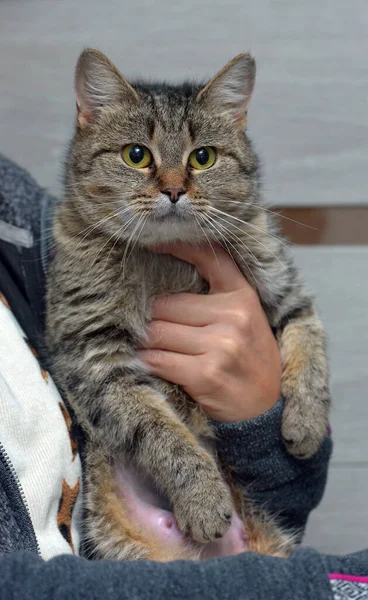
(165, 525)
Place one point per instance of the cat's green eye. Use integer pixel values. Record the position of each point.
(202, 158)
(136, 156)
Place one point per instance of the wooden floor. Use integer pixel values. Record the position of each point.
(309, 120)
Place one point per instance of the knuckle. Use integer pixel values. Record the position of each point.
(230, 345)
(210, 372)
(154, 358)
(156, 331)
(253, 302)
(241, 318)
(160, 304)
(213, 373)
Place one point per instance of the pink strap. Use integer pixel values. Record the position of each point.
(354, 578)
(349, 587)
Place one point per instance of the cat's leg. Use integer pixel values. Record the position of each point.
(109, 533)
(124, 523)
(256, 532)
(304, 386)
(138, 420)
(265, 536)
(252, 530)
(115, 530)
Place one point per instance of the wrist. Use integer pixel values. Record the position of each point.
(232, 413)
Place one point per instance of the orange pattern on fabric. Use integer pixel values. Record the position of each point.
(69, 426)
(67, 502)
(4, 301)
(44, 373)
(69, 495)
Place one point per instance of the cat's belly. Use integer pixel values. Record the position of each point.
(148, 509)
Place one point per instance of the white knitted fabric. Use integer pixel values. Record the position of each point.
(34, 434)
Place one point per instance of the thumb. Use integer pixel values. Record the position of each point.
(212, 263)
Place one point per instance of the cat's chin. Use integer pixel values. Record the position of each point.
(172, 231)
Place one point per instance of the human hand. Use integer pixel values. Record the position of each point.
(219, 347)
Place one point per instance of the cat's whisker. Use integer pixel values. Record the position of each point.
(241, 257)
(247, 250)
(211, 246)
(117, 234)
(257, 242)
(143, 220)
(213, 227)
(47, 234)
(251, 237)
(272, 212)
(92, 227)
(50, 230)
(231, 234)
(98, 254)
(125, 256)
(242, 245)
(248, 224)
(116, 198)
(239, 241)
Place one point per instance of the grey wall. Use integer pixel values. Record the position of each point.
(339, 277)
(309, 114)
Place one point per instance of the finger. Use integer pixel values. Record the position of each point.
(172, 366)
(196, 310)
(176, 338)
(200, 310)
(213, 264)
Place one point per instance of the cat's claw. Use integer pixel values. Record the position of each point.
(205, 516)
(303, 436)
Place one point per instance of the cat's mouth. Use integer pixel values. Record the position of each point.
(173, 215)
(170, 222)
(181, 210)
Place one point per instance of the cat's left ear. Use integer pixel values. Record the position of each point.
(231, 89)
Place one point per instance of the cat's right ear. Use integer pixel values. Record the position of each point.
(98, 83)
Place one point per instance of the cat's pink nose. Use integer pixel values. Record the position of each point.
(174, 192)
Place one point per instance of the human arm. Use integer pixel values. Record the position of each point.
(220, 347)
(282, 484)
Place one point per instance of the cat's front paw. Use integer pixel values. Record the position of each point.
(204, 513)
(303, 432)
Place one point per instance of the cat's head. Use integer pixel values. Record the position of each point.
(156, 163)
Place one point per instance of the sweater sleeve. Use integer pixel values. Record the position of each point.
(305, 575)
(273, 478)
(248, 576)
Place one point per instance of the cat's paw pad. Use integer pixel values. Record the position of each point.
(302, 437)
(205, 515)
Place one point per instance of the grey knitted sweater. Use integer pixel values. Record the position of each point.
(284, 485)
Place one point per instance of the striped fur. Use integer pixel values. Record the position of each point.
(104, 278)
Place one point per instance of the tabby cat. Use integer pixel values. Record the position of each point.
(154, 164)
